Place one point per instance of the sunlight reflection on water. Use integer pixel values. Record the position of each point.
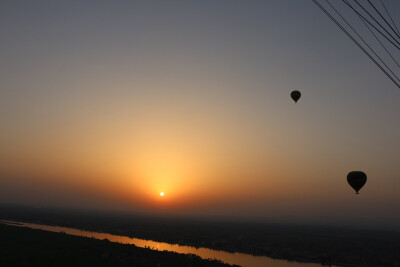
(245, 260)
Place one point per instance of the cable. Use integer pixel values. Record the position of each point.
(394, 24)
(376, 37)
(377, 11)
(371, 25)
(362, 39)
(355, 41)
(376, 21)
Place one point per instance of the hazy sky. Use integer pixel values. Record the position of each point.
(108, 103)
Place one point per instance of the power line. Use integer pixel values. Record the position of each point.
(376, 37)
(362, 39)
(394, 24)
(356, 42)
(398, 47)
(377, 11)
(369, 14)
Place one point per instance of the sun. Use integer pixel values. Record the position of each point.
(161, 194)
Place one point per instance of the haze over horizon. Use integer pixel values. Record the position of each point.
(106, 104)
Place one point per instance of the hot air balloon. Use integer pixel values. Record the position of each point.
(295, 95)
(356, 180)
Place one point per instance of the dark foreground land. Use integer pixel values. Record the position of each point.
(28, 247)
(325, 245)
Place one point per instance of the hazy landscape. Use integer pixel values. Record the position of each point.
(26, 247)
(303, 243)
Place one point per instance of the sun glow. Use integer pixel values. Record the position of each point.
(161, 194)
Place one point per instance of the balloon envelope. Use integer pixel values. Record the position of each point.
(295, 95)
(356, 180)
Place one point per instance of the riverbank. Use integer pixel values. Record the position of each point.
(29, 247)
(300, 243)
(245, 260)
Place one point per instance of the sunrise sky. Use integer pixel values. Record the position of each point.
(106, 104)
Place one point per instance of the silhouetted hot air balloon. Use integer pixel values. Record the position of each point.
(295, 95)
(357, 180)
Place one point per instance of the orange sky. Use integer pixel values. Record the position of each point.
(109, 107)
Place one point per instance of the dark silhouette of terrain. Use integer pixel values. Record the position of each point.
(28, 247)
(318, 244)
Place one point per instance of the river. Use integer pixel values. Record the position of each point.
(242, 259)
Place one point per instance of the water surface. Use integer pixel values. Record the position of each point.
(245, 260)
